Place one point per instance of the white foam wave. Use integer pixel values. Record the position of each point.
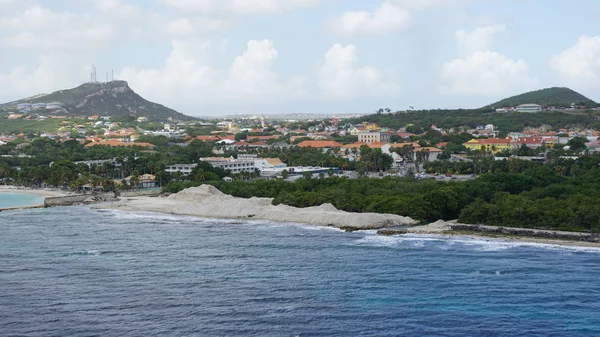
(476, 243)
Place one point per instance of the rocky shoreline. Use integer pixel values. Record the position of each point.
(207, 201)
(507, 233)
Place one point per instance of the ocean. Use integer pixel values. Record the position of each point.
(17, 199)
(75, 271)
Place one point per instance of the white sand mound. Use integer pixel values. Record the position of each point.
(207, 201)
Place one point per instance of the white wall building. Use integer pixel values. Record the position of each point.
(185, 169)
(231, 164)
(529, 108)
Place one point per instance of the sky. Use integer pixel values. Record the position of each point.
(223, 57)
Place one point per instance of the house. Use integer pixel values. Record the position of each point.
(530, 142)
(354, 131)
(319, 144)
(142, 119)
(490, 144)
(374, 137)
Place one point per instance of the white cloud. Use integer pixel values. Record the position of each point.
(36, 18)
(481, 72)
(486, 73)
(427, 4)
(384, 19)
(579, 65)
(188, 76)
(117, 9)
(38, 28)
(50, 74)
(340, 77)
(252, 73)
(185, 27)
(238, 7)
(480, 39)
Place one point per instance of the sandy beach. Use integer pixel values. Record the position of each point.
(38, 192)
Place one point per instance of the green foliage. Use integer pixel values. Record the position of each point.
(16, 126)
(519, 194)
(114, 98)
(514, 121)
(558, 97)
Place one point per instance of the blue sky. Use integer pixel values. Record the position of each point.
(215, 57)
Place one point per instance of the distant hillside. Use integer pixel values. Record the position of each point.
(113, 98)
(559, 97)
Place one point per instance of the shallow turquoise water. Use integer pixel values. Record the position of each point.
(74, 271)
(18, 199)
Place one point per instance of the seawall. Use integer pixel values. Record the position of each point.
(526, 232)
(92, 198)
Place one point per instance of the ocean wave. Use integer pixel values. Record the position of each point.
(452, 242)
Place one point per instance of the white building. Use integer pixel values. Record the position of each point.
(270, 167)
(529, 108)
(185, 169)
(231, 164)
(93, 163)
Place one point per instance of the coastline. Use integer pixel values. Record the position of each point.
(452, 228)
(208, 202)
(37, 192)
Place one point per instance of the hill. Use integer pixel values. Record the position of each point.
(558, 97)
(113, 99)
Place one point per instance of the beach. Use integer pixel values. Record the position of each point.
(38, 192)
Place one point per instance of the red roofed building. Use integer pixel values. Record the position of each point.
(530, 142)
(318, 144)
(116, 143)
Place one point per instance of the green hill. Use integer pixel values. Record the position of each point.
(558, 97)
(113, 98)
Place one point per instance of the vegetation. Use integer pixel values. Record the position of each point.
(561, 195)
(8, 126)
(108, 99)
(558, 97)
(419, 121)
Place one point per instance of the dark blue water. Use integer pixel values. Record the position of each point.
(80, 272)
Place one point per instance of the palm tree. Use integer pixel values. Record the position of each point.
(200, 176)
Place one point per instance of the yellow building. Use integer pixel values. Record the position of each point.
(490, 144)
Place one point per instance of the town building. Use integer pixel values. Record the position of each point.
(185, 169)
(231, 164)
(490, 144)
(319, 144)
(530, 108)
(374, 137)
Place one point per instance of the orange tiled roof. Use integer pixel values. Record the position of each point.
(116, 143)
(398, 145)
(319, 143)
(491, 141)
